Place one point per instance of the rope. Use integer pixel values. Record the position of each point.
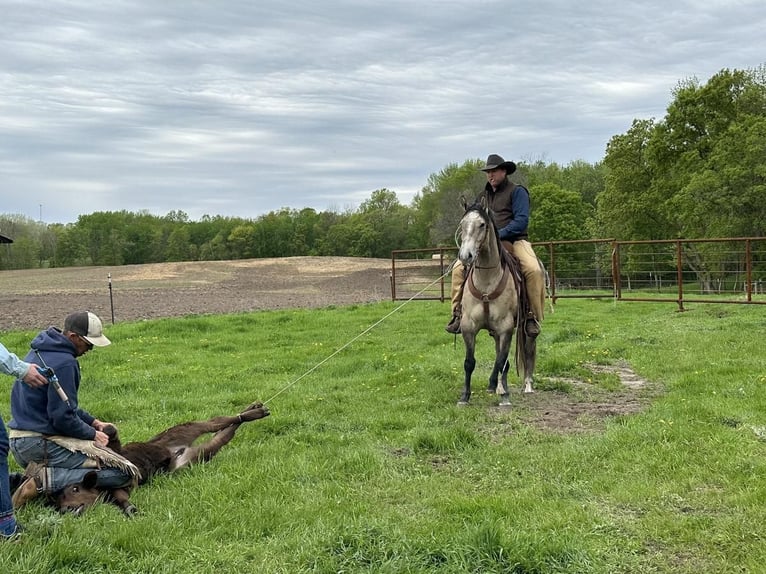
(367, 330)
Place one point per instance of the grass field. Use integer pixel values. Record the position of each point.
(367, 465)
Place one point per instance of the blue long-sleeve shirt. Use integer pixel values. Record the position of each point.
(41, 409)
(10, 364)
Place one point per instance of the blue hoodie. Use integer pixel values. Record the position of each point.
(41, 409)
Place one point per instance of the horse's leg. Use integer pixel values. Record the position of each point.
(530, 358)
(469, 364)
(502, 365)
(493, 376)
(496, 371)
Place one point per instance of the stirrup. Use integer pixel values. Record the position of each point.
(531, 327)
(453, 327)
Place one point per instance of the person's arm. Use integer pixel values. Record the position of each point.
(10, 364)
(68, 420)
(520, 222)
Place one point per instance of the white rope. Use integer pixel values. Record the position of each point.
(367, 330)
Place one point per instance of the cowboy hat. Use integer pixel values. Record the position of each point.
(495, 161)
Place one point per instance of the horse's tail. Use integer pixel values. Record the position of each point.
(547, 293)
(522, 306)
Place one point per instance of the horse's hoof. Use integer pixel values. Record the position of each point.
(491, 391)
(462, 403)
(528, 390)
(505, 404)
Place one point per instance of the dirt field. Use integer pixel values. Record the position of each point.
(32, 299)
(35, 299)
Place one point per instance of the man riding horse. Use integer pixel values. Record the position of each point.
(509, 205)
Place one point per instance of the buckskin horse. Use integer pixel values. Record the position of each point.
(169, 451)
(492, 300)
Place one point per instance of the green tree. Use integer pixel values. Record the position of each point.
(241, 241)
(216, 249)
(632, 204)
(708, 153)
(438, 206)
(179, 247)
(558, 214)
(387, 223)
(305, 226)
(70, 247)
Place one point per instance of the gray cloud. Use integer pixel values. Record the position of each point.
(239, 108)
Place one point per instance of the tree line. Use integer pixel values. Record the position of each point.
(698, 172)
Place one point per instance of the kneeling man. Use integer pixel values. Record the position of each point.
(54, 439)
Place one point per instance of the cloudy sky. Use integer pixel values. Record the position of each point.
(241, 107)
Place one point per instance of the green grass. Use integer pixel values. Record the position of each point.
(368, 465)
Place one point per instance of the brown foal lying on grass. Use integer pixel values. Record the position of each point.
(169, 451)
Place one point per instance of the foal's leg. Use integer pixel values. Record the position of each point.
(224, 428)
(120, 497)
(186, 433)
(187, 456)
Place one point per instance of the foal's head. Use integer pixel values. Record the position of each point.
(78, 497)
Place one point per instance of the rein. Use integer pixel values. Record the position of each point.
(500, 287)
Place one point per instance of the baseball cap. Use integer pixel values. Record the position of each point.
(88, 326)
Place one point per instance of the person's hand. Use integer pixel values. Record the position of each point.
(98, 425)
(101, 438)
(34, 378)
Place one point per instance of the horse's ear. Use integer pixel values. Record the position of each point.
(90, 480)
(483, 202)
(464, 203)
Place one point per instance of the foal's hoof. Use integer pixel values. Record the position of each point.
(251, 406)
(253, 413)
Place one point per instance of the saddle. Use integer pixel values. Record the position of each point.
(511, 267)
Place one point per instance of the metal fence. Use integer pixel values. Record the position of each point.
(721, 270)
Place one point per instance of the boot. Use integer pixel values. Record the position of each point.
(14, 535)
(453, 327)
(32, 486)
(531, 326)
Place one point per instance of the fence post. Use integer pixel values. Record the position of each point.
(749, 270)
(552, 272)
(392, 276)
(616, 284)
(680, 275)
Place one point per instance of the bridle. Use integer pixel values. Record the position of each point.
(485, 298)
(488, 226)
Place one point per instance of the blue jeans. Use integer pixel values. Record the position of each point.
(6, 506)
(65, 467)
